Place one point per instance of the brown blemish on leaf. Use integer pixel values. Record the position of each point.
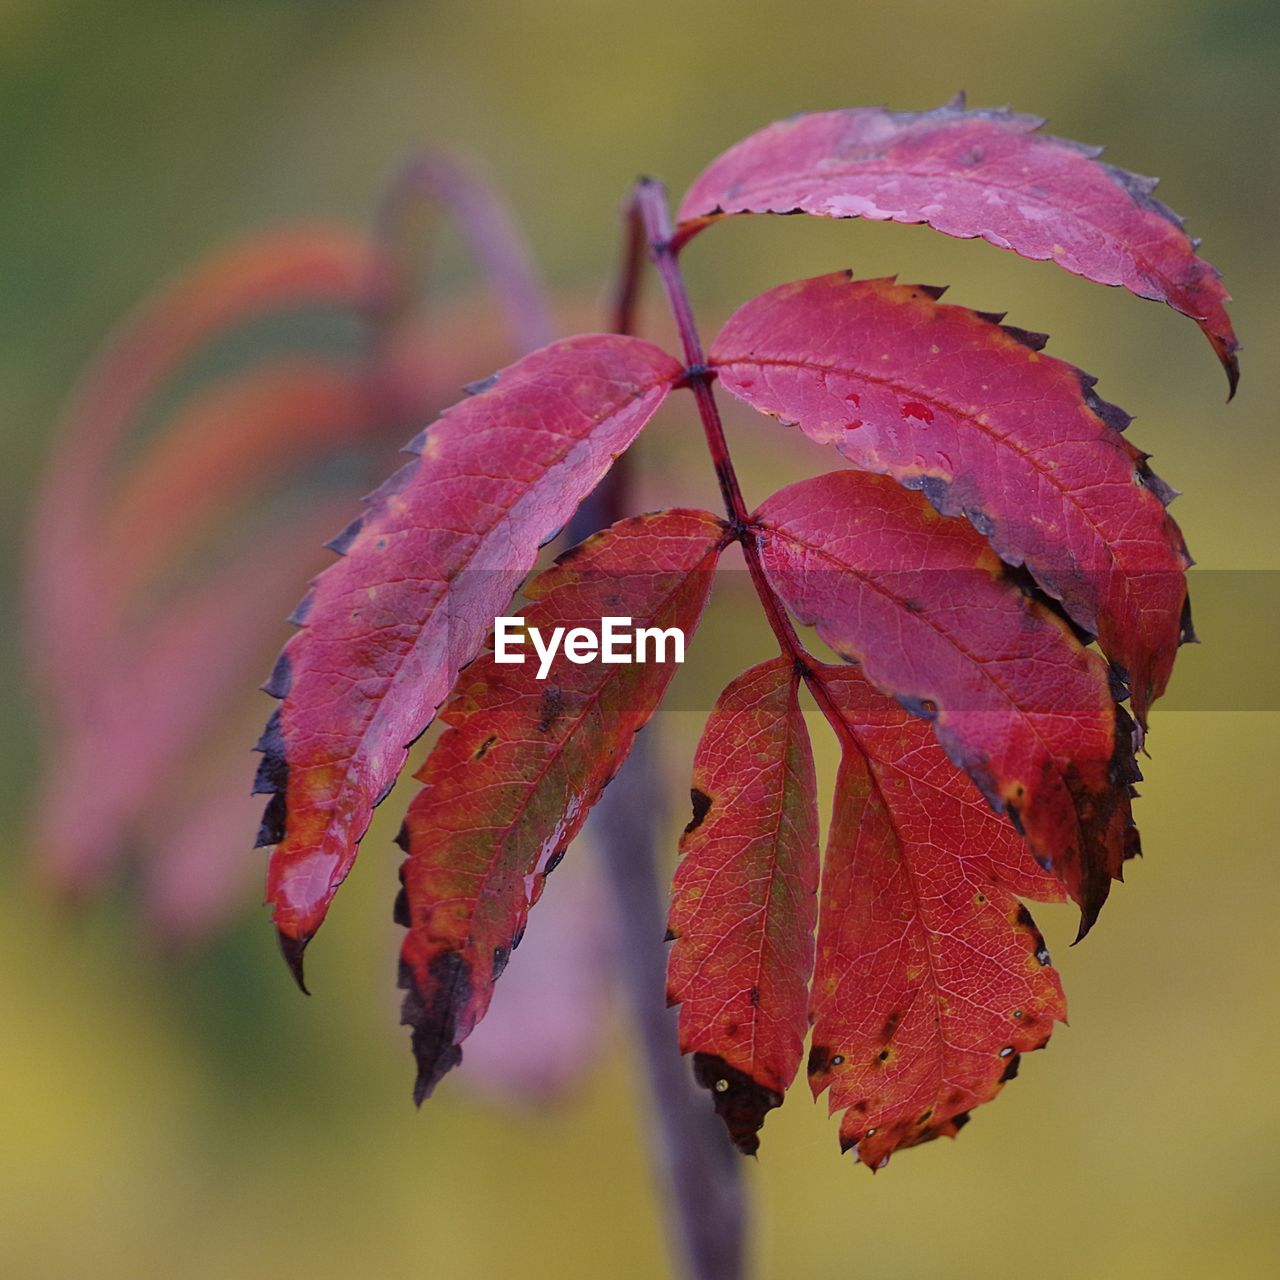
(433, 1017)
(741, 1102)
(552, 708)
(701, 807)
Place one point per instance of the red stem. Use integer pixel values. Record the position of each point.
(696, 1166)
(649, 206)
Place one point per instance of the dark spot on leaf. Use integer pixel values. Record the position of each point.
(299, 616)
(341, 542)
(891, 1024)
(753, 997)
(1011, 1068)
(1020, 576)
(701, 807)
(273, 768)
(432, 1013)
(483, 749)
(1188, 634)
(271, 829)
(280, 680)
(1111, 414)
(552, 708)
(400, 910)
(1139, 189)
(571, 553)
(935, 488)
(739, 1100)
(820, 1060)
(925, 708)
(1027, 337)
(1022, 920)
(982, 522)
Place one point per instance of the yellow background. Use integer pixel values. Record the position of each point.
(194, 1116)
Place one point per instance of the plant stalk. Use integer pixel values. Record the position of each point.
(649, 205)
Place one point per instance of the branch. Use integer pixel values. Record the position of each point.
(697, 1167)
(649, 208)
(699, 1170)
(481, 216)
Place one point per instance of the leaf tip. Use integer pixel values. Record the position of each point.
(292, 949)
(432, 1016)
(1231, 364)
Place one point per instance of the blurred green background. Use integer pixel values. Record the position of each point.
(194, 1116)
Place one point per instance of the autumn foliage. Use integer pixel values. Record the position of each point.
(992, 559)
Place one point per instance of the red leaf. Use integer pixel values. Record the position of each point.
(970, 412)
(510, 783)
(438, 553)
(744, 906)
(931, 977)
(973, 173)
(921, 603)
